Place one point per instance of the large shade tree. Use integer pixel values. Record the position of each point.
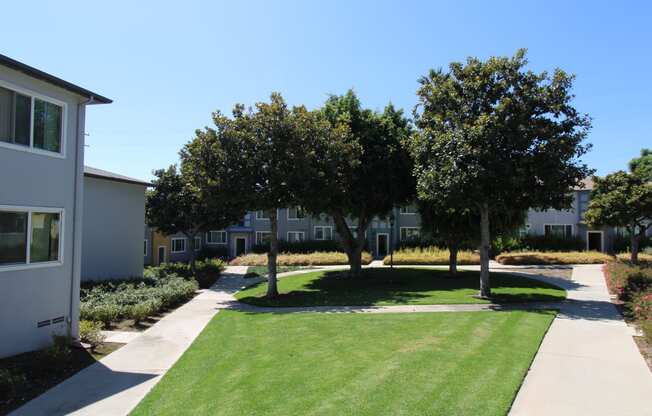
(379, 178)
(622, 199)
(178, 204)
(504, 137)
(642, 165)
(269, 153)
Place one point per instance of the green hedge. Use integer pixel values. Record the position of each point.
(300, 247)
(206, 271)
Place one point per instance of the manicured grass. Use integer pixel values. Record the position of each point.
(398, 286)
(352, 364)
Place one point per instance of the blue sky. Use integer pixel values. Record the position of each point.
(167, 66)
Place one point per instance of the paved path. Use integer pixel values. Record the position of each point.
(117, 383)
(588, 363)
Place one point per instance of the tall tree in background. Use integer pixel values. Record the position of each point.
(177, 205)
(505, 138)
(379, 178)
(642, 166)
(622, 199)
(268, 154)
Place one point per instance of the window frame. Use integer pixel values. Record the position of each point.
(323, 227)
(41, 264)
(297, 208)
(257, 240)
(226, 239)
(33, 95)
(303, 234)
(400, 232)
(572, 228)
(261, 218)
(402, 207)
(194, 243)
(145, 248)
(185, 245)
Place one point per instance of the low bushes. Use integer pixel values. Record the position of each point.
(91, 332)
(633, 286)
(643, 258)
(431, 255)
(206, 271)
(288, 259)
(112, 301)
(300, 247)
(553, 257)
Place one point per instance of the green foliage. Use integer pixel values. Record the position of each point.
(299, 259)
(91, 332)
(303, 247)
(551, 257)
(206, 271)
(623, 243)
(552, 243)
(111, 301)
(213, 252)
(642, 166)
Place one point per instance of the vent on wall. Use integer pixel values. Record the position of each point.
(57, 320)
(48, 322)
(41, 324)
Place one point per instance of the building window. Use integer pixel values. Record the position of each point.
(409, 233)
(408, 210)
(145, 249)
(295, 236)
(323, 233)
(296, 213)
(30, 236)
(558, 230)
(31, 122)
(197, 244)
(263, 215)
(178, 245)
(263, 237)
(216, 237)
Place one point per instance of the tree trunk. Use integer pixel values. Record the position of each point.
(634, 239)
(485, 286)
(354, 256)
(452, 259)
(272, 289)
(352, 246)
(193, 255)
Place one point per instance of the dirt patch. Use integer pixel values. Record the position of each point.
(646, 350)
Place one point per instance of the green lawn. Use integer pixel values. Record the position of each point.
(253, 271)
(464, 363)
(398, 286)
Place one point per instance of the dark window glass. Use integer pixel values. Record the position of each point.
(47, 126)
(15, 113)
(13, 237)
(45, 237)
(23, 107)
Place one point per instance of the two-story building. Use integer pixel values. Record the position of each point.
(41, 199)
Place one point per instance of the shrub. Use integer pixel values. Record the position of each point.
(643, 258)
(533, 257)
(432, 256)
(641, 305)
(213, 252)
(551, 243)
(58, 351)
(288, 259)
(91, 332)
(623, 243)
(300, 247)
(206, 271)
(11, 382)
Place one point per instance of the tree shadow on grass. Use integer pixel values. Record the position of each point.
(382, 286)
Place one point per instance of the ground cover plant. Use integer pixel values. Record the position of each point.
(206, 271)
(536, 257)
(112, 301)
(352, 364)
(382, 286)
(431, 255)
(27, 375)
(309, 259)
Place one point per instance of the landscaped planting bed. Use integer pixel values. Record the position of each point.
(383, 286)
(206, 271)
(322, 258)
(536, 257)
(643, 258)
(431, 256)
(462, 363)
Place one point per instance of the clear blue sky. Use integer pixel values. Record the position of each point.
(167, 66)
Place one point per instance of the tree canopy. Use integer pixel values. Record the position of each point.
(642, 165)
(503, 138)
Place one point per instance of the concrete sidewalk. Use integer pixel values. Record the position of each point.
(588, 363)
(117, 383)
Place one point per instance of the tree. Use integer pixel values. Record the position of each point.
(177, 205)
(642, 165)
(622, 199)
(504, 138)
(374, 177)
(267, 155)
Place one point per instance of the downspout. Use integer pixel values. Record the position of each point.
(75, 280)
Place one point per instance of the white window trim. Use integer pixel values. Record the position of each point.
(303, 235)
(214, 243)
(400, 233)
(258, 240)
(64, 122)
(400, 211)
(145, 248)
(29, 210)
(262, 212)
(571, 225)
(193, 243)
(294, 218)
(601, 239)
(324, 227)
(185, 245)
